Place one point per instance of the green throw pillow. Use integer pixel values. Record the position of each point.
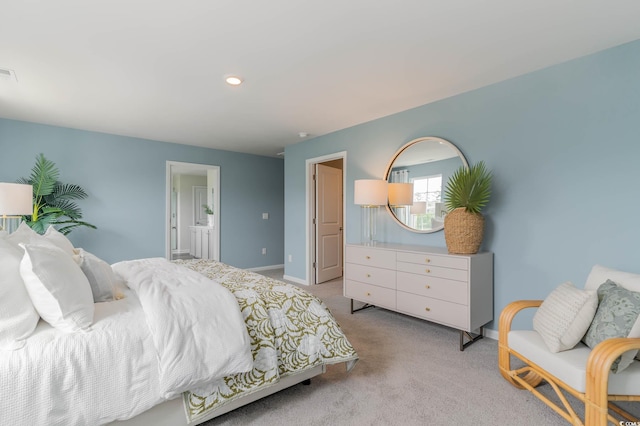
(618, 311)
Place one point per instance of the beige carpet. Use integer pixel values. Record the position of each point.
(411, 372)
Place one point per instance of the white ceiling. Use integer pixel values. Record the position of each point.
(154, 68)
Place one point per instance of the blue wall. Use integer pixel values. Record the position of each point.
(125, 179)
(564, 147)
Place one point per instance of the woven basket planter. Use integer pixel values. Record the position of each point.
(463, 231)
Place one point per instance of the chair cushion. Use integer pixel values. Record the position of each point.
(600, 274)
(564, 316)
(571, 366)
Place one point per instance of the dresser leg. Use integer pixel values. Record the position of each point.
(366, 305)
(472, 338)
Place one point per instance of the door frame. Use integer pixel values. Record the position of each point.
(310, 202)
(186, 167)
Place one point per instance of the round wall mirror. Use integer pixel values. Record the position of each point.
(417, 175)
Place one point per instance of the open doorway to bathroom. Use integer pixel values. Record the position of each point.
(190, 231)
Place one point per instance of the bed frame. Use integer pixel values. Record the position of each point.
(172, 412)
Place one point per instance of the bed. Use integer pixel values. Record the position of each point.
(178, 344)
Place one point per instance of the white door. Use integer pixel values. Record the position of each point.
(328, 221)
(199, 199)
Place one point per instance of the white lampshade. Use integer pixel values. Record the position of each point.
(400, 194)
(370, 192)
(419, 207)
(16, 199)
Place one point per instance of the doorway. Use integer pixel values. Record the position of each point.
(183, 213)
(325, 224)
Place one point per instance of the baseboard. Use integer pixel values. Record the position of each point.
(491, 334)
(266, 268)
(295, 280)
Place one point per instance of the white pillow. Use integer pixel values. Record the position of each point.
(565, 316)
(18, 317)
(23, 235)
(59, 240)
(600, 274)
(58, 289)
(99, 273)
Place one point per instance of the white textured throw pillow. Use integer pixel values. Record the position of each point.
(58, 239)
(18, 317)
(99, 273)
(564, 316)
(58, 288)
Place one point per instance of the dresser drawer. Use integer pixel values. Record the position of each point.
(370, 275)
(435, 310)
(434, 271)
(437, 288)
(374, 295)
(370, 256)
(434, 260)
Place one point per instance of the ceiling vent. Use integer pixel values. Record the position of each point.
(7, 74)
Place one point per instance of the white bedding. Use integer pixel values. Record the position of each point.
(191, 319)
(122, 366)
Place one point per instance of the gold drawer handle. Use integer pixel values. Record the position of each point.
(427, 260)
(428, 271)
(427, 309)
(368, 257)
(368, 275)
(368, 294)
(427, 286)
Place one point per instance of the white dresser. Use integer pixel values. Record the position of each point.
(425, 282)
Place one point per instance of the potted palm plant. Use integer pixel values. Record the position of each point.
(53, 200)
(467, 192)
(209, 212)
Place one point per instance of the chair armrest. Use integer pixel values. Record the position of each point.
(509, 312)
(599, 363)
(504, 353)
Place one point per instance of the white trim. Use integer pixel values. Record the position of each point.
(491, 334)
(193, 166)
(309, 167)
(265, 268)
(295, 280)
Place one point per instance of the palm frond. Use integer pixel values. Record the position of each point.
(469, 188)
(44, 176)
(69, 191)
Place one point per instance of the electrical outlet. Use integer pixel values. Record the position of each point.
(264, 250)
(265, 216)
(290, 258)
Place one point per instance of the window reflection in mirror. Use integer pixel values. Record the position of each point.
(427, 163)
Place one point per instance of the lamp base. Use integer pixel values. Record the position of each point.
(369, 225)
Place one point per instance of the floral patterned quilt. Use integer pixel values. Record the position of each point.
(290, 329)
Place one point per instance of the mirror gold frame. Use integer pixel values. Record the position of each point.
(432, 155)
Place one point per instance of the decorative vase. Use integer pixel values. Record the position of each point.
(463, 231)
(210, 220)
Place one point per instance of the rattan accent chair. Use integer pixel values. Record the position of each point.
(581, 372)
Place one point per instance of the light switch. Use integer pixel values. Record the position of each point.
(265, 216)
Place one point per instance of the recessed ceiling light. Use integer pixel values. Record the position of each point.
(233, 80)
(303, 134)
